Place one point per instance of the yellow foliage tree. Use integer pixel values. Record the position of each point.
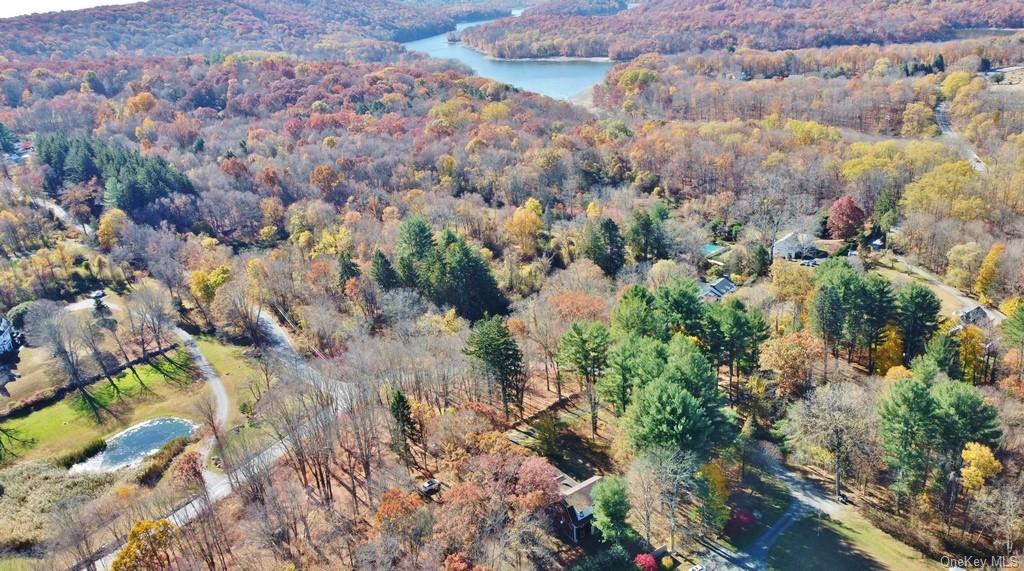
(972, 354)
(112, 225)
(524, 228)
(897, 374)
(148, 547)
(980, 464)
(989, 272)
(140, 103)
(890, 352)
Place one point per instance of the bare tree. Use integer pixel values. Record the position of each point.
(47, 325)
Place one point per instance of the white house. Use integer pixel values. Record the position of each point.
(792, 245)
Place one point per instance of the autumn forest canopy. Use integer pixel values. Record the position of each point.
(418, 318)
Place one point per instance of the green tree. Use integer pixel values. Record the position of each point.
(583, 351)
(8, 140)
(347, 268)
(458, 276)
(944, 351)
(406, 428)
(645, 237)
(917, 316)
(910, 430)
(826, 314)
(679, 308)
(876, 313)
(634, 314)
(383, 272)
(415, 248)
(965, 416)
(632, 363)
(611, 507)
(603, 244)
(740, 334)
(496, 350)
(663, 414)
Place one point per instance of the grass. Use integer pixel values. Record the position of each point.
(950, 304)
(233, 367)
(852, 543)
(166, 389)
(761, 494)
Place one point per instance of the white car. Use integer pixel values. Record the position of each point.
(697, 568)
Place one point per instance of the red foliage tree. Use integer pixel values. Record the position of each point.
(845, 218)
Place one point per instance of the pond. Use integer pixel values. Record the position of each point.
(131, 446)
(558, 79)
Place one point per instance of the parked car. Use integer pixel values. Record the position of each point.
(430, 487)
(98, 294)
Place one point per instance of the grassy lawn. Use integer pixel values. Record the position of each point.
(166, 388)
(233, 367)
(763, 497)
(950, 304)
(851, 544)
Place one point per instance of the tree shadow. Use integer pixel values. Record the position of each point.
(812, 544)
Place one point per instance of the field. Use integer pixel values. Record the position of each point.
(851, 544)
(234, 368)
(165, 388)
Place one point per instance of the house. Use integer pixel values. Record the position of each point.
(7, 347)
(791, 246)
(973, 316)
(717, 289)
(578, 510)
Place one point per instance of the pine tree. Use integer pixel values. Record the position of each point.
(347, 269)
(583, 350)
(603, 244)
(1013, 330)
(496, 350)
(382, 272)
(917, 311)
(910, 430)
(611, 507)
(406, 429)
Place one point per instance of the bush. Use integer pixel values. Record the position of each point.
(81, 455)
(615, 557)
(157, 465)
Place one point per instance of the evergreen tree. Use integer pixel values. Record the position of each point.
(611, 507)
(8, 140)
(583, 350)
(634, 314)
(414, 250)
(382, 272)
(645, 237)
(827, 319)
(347, 269)
(603, 244)
(917, 311)
(944, 351)
(632, 364)
(910, 431)
(496, 350)
(965, 417)
(458, 276)
(406, 428)
(876, 314)
(679, 308)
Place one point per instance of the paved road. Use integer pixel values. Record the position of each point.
(56, 209)
(957, 140)
(995, 316)
(218, 484)
(807, 498)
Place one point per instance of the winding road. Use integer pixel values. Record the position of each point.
(807, 499)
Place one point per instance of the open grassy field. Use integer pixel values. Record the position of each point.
(950, 304)
(233, 367)
(165, 388)
(851, 543)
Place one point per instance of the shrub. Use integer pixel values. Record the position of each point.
(81, 455)
(645, 562)
(157, 465)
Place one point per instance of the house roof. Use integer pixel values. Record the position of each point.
(973, 315)
(578, 499)
(717, 289)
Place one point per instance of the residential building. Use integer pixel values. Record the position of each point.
(717, 289)
(791, 246)
(578, 510)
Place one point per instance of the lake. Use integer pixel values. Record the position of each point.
(556, 79)
(131, 446)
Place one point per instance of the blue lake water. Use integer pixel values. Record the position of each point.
(556, 79)
(134, 444)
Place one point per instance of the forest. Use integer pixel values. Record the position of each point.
(671, 26)
(414, 314)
